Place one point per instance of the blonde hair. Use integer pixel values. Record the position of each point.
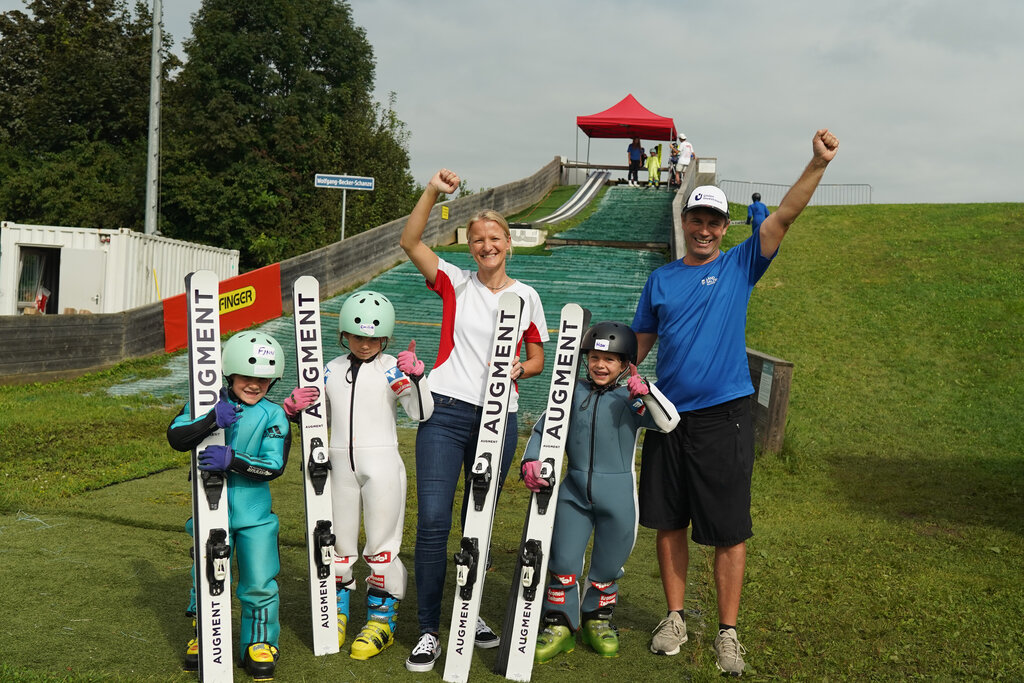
(491, 215)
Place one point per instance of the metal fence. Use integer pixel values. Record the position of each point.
(739, 191)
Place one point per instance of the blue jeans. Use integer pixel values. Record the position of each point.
(445, 444)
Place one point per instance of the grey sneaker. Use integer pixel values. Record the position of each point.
(729, 653)
(669, 635)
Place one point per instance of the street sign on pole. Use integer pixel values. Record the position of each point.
(343, 183)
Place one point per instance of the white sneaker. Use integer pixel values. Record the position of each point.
(669, 635)
(729, 653)
(485, 637)
(426, 652)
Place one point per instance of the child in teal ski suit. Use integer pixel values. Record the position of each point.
(257, 440)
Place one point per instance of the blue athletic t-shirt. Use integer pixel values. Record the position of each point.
(700, 316)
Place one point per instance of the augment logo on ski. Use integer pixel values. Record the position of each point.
(461, 632)
(564, 372)
(502, 360)
(524, 626)
(216, 633)
(207, 351)
(325, 604)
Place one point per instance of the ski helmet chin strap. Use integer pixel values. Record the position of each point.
(355, 362)
(342, 344)
(598, 389)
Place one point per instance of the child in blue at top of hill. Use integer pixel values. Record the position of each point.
(598, 494)
(257, 440)
(756, 212)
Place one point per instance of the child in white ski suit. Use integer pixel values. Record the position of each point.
(363, 390)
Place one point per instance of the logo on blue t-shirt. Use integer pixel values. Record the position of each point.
(709, 280)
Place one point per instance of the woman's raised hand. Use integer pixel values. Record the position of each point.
(445, 181)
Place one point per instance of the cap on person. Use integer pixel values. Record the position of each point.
(682, 136)
(708, 197)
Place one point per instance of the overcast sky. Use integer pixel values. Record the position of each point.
(924, 96)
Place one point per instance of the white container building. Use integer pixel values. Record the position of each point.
(89, 270)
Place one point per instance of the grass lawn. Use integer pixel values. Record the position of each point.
(888, 533)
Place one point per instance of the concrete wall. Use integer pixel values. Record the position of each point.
(39, 348)
(36, 348)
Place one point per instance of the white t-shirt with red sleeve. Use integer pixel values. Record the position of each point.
(468, 313)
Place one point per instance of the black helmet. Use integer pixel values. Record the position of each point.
(756, 197)
(612, 337)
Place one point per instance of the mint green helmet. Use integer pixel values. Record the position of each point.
(254, 354)
(367, 314)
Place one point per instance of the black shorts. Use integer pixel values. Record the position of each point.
(699, 473)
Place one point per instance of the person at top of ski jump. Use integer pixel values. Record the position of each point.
(700, 472)
(756, 211)
(257, 440)
(673, 164)
(446, 443)
(362, 390)
(634, 159)
(685, 156)
(598, 494)
(654, 167)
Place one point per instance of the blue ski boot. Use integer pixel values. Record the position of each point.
(379, 632)
(343, 599)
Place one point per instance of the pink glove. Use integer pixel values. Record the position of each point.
(531, 476)
(301, 398)
(637, 384)
(408, 363)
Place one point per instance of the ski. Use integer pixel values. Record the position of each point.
(316, 468)
(211, 550)
(471, 560)
(522, 611)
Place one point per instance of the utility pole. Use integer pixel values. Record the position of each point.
(153, 150)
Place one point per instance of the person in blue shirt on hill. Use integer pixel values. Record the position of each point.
(635, 158)
(699, 474)
(756, 212)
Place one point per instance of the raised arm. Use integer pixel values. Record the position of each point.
(774, 228)
(425, 260)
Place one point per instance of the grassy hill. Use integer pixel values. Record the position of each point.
(888, 533)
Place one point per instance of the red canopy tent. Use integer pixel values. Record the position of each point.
(627, 119)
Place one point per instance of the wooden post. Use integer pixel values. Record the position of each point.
(771, 378)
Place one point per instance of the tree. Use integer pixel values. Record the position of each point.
(273, 92)
(74, 112)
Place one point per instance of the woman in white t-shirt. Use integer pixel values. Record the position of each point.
(446, 443)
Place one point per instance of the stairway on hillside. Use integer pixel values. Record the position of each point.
(624, 215)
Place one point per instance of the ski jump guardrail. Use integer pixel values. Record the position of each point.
(579, 199)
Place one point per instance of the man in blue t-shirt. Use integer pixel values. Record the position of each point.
(699, 474)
